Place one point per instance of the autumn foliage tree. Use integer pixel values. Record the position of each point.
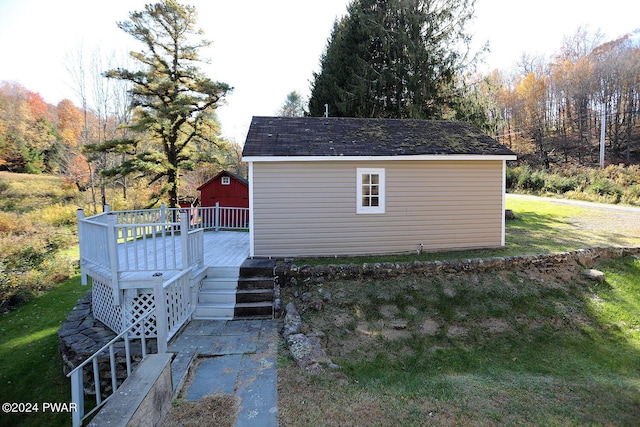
(557, 108)
(28, 138)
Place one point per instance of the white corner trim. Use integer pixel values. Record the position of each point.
(251, 229)
(504, 197)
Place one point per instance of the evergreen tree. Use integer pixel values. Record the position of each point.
(173, 101)
(395, 58)
(293, 106)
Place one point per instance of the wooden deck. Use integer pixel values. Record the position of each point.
(225, 248)
(221, 249)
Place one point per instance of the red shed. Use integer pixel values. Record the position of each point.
(228, 190)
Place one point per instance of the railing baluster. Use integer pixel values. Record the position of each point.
(112, 365)
(127, 353)
(77, 375)
(96, 380)
(77, 396)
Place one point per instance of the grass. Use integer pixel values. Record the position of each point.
(541, 227)
(31, 368)
(543, 372)
(497, 348)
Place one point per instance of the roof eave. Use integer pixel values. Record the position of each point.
(423, 157)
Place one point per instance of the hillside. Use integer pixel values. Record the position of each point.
(534, 346)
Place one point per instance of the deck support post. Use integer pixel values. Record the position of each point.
(184, 237)
(112, 244)
(217, 217)
(83, 275)
(162, 325)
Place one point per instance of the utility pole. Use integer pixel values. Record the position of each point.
(602, 129)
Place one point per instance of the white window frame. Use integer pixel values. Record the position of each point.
(362, 209)
(225, 180)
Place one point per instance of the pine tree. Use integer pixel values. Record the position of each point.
(395, 58)
(173, 101)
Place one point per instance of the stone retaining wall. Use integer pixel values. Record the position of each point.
(290, 274)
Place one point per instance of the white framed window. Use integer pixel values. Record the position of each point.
(225, 180)
(370, 191)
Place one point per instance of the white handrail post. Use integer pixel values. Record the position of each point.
(112, 245)
(163, 219)
(184, 237)
(217, 217)
(161, 313)
(77, 397)
(106, 208)
(80, 216)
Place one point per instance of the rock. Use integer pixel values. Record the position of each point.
(292, 321)
(316, 305)
(595, 275)
(302, 351)
(399, 325)
(509, 215)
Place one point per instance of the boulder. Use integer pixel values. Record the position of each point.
(595, 275)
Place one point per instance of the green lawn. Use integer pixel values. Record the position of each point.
(592, 367)
(541, 227)
(495, 348)
(30, 365)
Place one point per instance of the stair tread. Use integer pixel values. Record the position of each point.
(216, 304)
(254, 291)
(254, 304)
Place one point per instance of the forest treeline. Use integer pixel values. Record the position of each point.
(37, 137)
(552, 112)
(548, 112)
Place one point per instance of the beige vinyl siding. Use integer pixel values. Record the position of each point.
(309, 208)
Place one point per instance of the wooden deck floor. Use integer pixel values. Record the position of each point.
(221, 249)
(225, 248)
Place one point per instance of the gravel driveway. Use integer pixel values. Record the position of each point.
(611, 225)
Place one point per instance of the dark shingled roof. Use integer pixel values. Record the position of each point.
(338, 136)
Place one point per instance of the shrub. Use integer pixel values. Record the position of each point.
(512, 177)
(604, 187)
(614, 184)
(57, 215)
(536, 181)
(559, 184)
(523, 177)
(631, 195)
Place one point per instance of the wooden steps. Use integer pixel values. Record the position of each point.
(245, 292)
(255, 292)
(217, 296)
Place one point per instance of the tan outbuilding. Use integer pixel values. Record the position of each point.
(348, 186)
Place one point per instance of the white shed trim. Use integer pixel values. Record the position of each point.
(438, 157)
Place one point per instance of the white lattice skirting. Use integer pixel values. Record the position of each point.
(137, 302)
(102, 304)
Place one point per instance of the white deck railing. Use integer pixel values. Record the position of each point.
(132, 245)
(77, 375)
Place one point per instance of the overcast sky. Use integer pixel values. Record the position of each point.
(266, 49)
